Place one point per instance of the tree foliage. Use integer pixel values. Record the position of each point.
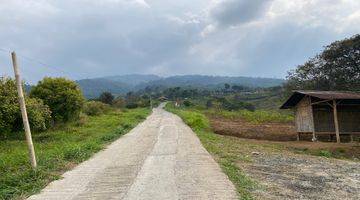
(63, 96)
(336, 68)
(10, 116)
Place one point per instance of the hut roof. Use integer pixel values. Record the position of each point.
(296, 97)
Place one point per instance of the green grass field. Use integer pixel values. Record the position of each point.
(257, 116)
(59, 150)
(221, 148)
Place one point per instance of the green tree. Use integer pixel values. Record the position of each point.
(9, 104)
(63, 96)
(106, 97)
(10, 116)
(227, 86)
(336, 68)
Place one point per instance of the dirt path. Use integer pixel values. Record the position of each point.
(160, 159)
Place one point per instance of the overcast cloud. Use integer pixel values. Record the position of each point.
(92, 38)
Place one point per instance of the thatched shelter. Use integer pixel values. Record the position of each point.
(325, 112)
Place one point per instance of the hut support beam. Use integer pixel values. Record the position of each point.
(336, 122)
(312, 120)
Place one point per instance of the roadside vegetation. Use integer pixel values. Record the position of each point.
(258, 116)
(66, 128)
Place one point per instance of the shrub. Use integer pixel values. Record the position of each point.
(10, 115)
(106, 97)
(132, 105)
(187, 103)
(119, 103)
(83, 118)
(9, 104)
(63, 96)
(143, 103)
(324, 153)
(95, 108)
(39, 114)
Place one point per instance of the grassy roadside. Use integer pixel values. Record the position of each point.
(222, 149)
(59, 150)
(257, 116)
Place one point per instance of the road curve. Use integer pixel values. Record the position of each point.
(161, 158)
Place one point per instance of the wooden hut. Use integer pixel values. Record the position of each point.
(162, 98)
(325, 112)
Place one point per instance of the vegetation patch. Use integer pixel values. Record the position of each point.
(258, 116)
(59, 150)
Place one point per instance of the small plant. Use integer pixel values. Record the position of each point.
(325, 153)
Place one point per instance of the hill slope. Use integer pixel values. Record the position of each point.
(119, 85)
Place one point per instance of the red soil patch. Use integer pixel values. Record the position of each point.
(244, 129)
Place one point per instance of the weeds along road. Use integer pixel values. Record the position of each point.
(159, 159)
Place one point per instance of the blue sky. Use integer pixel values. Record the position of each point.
(92, 38)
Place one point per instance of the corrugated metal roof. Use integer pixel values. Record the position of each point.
(296, 97)
(330, 95)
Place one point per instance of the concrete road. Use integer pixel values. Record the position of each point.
(159, 159)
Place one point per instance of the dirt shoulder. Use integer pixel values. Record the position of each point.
(283, 174)
(290, 176)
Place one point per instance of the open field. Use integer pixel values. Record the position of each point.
(242, 128)
(263, 169)
(59, 150)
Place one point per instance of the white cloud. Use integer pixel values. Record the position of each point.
(228, 37)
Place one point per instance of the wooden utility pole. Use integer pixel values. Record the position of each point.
(336, 122)
(23, 112)
(151, 104)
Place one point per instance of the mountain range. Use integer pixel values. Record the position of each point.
(119, 85)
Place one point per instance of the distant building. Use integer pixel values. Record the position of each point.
(325, 112)
(163, 98)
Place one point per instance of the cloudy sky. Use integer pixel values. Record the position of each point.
(92, 38)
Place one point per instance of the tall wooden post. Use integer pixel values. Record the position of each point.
(23, 112)
(336, 122)
(151, 104)
(312, 120)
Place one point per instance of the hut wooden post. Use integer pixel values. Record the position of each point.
(312, 119)
(336, 122)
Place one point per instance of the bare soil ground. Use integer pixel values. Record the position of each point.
(291, 176)
(289, 169)
(244, 129)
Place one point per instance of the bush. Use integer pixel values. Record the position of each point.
(233, 104)
(119, 103)
(39, 114)
(187, 103)
(143, 103)
(9, 106)
(132, 105)
(63, 96)
(10, 115)
(93, 108)
(106, 97)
